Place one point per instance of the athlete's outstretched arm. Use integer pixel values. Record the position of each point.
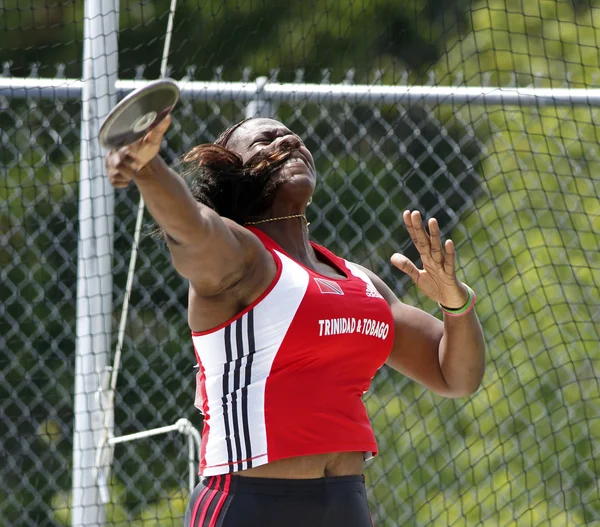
(448, 357)
(211, 252)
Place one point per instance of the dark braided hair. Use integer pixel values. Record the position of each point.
(236, 190)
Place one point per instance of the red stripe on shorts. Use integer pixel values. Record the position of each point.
(213, 520)
(197, 506)
(209, 501)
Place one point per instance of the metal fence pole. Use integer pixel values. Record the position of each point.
(260, 106)
(259, 94)
(94, 265)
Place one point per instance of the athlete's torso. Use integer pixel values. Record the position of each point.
(284, 378)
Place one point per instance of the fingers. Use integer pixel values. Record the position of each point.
(417, 232)
(122, 157)
(406, 266)
(435, 241)
(450, 257)
(427, 244)
(438, 261)
(430, 245)
(121, 167)
(118, 181)
(120, 178)
(154, 137)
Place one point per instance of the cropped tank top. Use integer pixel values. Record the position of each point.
(285, 377)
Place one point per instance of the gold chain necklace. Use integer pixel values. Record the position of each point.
(279, 218)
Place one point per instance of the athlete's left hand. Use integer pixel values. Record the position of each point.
(437, 279)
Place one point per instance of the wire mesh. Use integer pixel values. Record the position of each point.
(517, 189)
(526, 243)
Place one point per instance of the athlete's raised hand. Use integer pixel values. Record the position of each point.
(123, 164)
(437, 279)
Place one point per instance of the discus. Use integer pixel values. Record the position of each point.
(138, 113)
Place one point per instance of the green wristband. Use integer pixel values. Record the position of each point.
(461, 311)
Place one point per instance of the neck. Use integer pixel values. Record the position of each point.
(290, 233)
(278, 218)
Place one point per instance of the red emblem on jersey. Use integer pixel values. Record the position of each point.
(328, 288)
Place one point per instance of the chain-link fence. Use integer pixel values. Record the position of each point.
(515, 186)
(521, 449)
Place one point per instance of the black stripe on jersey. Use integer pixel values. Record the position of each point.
(228, 358)
(242, 374)
(236, 387)
(248, 377)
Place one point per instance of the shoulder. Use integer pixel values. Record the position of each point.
(254, 264)
(410, 322)
(255, 247)
(382, 288)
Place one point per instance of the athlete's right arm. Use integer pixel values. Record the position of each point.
(212, 252)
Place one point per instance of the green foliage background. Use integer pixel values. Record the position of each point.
(523, 450)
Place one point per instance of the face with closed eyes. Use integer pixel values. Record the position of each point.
(297, 174)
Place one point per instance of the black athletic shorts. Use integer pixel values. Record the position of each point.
(238, 501)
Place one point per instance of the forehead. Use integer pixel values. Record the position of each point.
(254, 127)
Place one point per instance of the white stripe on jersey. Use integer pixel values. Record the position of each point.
(253, 341)
(359, 273)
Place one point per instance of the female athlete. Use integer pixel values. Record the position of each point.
(288, 335)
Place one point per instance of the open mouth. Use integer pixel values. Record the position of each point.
(297, 156)
(296, 160)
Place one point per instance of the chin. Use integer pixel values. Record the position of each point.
(296, 186)
(300, 181)
(297, 174)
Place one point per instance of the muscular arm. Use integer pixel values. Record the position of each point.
(212, 252)
(447, 357)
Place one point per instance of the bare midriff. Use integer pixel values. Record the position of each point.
(309, 467)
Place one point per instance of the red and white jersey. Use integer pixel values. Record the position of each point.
(285, 377)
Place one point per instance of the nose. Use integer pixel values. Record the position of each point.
(286, 139)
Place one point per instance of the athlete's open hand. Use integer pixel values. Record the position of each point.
(437, 279)
(123, 164)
